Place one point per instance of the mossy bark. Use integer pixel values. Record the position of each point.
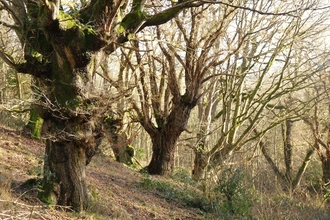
(71, 140)
(71, 126)
(64, 177)
(124, 153)
(35, 123)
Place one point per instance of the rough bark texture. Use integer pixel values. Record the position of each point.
(123, 152)
(71, 144)
(162, 161)
(164, 139)
(64, 180)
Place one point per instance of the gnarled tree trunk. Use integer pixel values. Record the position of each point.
(73, 132)
(163, 146)
(164, 139)
(64, 177)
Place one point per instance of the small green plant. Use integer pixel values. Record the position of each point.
(231, 196)
(38, 172)
(183, 176)
(326, 194)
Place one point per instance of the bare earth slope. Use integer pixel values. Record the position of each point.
(115, 190)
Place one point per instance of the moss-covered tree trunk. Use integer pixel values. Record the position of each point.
(124, 152)
(35, 123)
(71, 124)
(73, 133)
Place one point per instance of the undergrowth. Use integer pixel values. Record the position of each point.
(227, 199)
(173, 192)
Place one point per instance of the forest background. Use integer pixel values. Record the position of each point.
(232, 95)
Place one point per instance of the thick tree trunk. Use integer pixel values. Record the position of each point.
(64, 176)
(64, 181)
(163, 147)
(164, 139)
(73, 132)
(123, 153)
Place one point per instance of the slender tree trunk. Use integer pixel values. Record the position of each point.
(18, 84)
(35, 123)
(206, 112)
(200, 163)
(325, 160)
(302, 169)
(287, 141)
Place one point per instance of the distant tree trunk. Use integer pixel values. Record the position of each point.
(124, 152)
(200, 163)
(201, 156)
(18, 84)
(286, 182)
(206, 111)
(287, 141)
(302, 169)
(325, 160)
(322, 147)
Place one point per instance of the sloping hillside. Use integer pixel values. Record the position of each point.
(116, 191)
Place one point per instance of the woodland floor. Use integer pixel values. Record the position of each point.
(116, 191)
(119, 192)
